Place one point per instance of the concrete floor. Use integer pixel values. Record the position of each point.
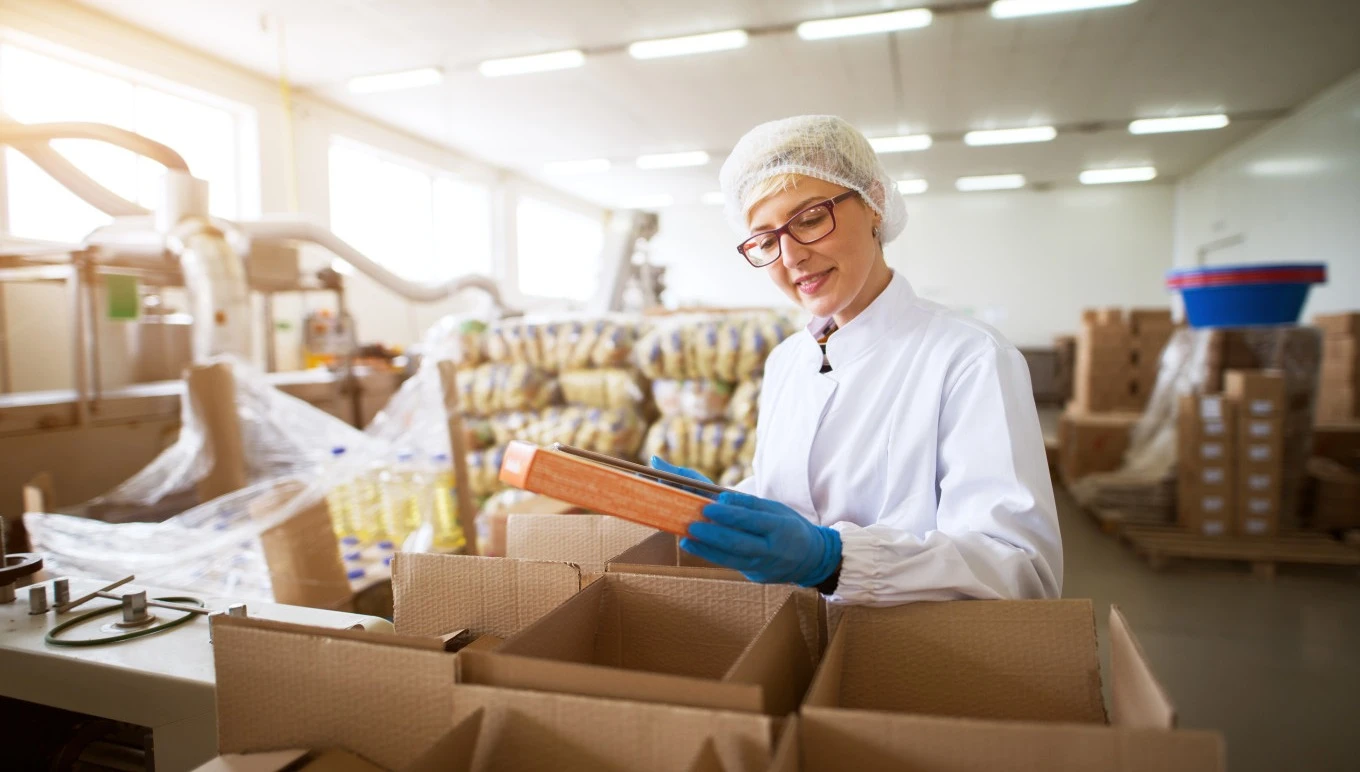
(1271, 664)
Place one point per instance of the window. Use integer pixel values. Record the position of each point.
(559, 250)
(421, 224)
(37, 88)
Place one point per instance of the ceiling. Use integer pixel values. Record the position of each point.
(966, 71)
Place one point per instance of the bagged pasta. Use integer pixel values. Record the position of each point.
(704, 400)
(497, 349)
(702, 353)
(710, 448)
(564, 348)
(755, 347)
(614, 347)
(745, 403)
(733, 475)
(729, 346)
(733, 441)
(673, 352)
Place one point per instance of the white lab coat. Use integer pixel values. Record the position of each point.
(921, 447)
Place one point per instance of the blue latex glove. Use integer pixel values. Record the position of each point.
(764, 540)
(659, 463)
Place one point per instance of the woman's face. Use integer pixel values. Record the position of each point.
(827, 277)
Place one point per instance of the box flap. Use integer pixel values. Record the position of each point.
(282, 686)
(436, 594)
(868, 742)
(1136, 697)
(586, 540)
(659, 549)
(787, 753)
(777, 659)
(707, 760)
(1022, 660)
(522, 730)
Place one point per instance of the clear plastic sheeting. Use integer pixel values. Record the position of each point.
(1194, 361)
(387, 487)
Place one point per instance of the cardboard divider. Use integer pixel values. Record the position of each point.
(524, 730)
(1032, 660)
(724, 645)
(660, 555)
(586, 540)
(828, 741)
(305, 567)
(282, 686)
(437, 594)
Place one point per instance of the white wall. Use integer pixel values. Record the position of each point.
(1289, 194)
(43, 361)
(1024, 262)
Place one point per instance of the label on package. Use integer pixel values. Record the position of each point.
(1213, 475)
(1214, 429)
(1211, 408)
(1211, 503)
(1258, 452)
(1260, 429)
(1262, 407)
(1213, 527)
(1258, 482)
(1211, 450)
(1258, 506)
(1256, 526)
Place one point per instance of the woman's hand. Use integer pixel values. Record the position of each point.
(660, 464)
(765, 540)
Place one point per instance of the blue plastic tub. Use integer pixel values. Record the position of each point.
(1245, 295)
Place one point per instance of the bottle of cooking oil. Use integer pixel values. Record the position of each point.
(366, 507)
(394, 486)
(448, 534)
(339, 499)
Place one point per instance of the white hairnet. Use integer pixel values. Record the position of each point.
(821, 146)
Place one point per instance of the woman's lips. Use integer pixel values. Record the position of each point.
(811, 285)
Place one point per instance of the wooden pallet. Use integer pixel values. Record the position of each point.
(1158, 544)
(1110, 521)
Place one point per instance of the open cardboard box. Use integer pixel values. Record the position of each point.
(968, 685)
(711, 644)
(434, 595)
(294, 697)
(660, 555)
(586, 540)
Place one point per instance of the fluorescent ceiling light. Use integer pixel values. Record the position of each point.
(394, 81)
(690, 44)
(1130, 174)
(1009, 9)
(586, 166)
(1187, 123)
(648, 202)
(672, 160)
(990, 182)
(905, 144)
(715, 198)
(520, 65)
(1010, 136)
(911, 187)
(912, 18)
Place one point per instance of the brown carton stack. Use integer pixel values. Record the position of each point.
(1207, 479)
(1104, 346)
(1259, 399)
(1092, 442)
(1339, 390)
(1149, 330)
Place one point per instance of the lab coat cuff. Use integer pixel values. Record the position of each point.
(862, 578)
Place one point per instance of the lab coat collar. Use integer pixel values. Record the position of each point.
(862, 333)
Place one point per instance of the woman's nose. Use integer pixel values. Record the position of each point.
(790, 251)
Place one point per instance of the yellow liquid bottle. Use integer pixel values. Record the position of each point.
(339, 499)
(394, 487)
(366, 515)
(448, 534)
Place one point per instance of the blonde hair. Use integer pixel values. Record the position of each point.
(770, 186)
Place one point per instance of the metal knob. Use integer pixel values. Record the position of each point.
(61, 591)
(135, 612)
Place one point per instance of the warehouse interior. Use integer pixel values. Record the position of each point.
(300, 302)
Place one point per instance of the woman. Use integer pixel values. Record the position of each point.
(898, 455)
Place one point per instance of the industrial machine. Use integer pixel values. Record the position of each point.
(95, 679)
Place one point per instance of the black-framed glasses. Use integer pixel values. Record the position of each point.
(807, 226)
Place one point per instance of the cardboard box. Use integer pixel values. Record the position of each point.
(437, 594)
(1206, 480)
(1334, 496)
(1347, 324)
(881, 742)
(660, 555)
(980, 684)
(1338, 441)
(1261, 393)
(712, 644)
(586, 540)
(492, 522)
(387, 702)
(1091, 443)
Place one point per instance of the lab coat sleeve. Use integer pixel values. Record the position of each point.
(996, 534)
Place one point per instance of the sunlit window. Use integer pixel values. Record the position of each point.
(558, 250)
(421, 224)
(37, 88)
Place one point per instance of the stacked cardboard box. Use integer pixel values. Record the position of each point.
(1339, 390)
(1207, 456)
(1065, 365)
(1334, 496)
(1117, 358)
(1092, 442)
(1259, 402)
